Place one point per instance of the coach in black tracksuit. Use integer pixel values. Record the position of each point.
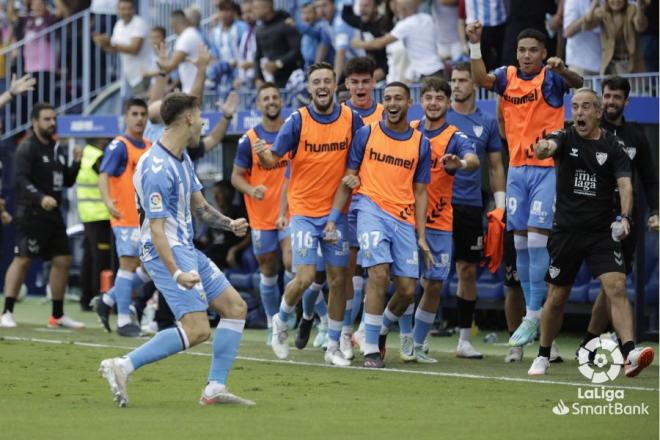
(644, 170)
(41, 175)
(590, 164)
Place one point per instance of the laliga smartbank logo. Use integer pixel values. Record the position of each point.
(605, 367)
(608, 360)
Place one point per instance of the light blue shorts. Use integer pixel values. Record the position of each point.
(307, 236)
(181, 301)
(127, 241)
(266, 241)
(440, 243)
(352, 223)
(384, 239)
(530, 197)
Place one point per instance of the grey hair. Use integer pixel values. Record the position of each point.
(598, 102)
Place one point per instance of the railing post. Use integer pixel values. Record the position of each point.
(86, 79)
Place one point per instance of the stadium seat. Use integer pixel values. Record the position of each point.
(489, 286)
(580, 290)
(249, 261)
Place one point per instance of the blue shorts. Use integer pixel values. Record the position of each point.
(440, 243)
(530, 197)
(307, 236)
(127, 241)
(266, 241)
(352, 223)
(197, 299)
(386, 240)
(320, 262)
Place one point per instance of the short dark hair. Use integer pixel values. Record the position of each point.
(160, 30)
(463, 66)
(175, 104)
(398, 84)
(132, 2)
(226, 5)
(38, 108)
(267, 85)
(435, 84)
(360, 65)
(134, 102)
(320, 66)
(178, 14)
(535, 34)
(616, 82)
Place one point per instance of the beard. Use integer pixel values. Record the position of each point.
(433, 119)
(273, 116)
(323, 108)
(613, 112)
(465, 98)
(46, 132)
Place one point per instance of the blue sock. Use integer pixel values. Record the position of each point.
(358, 286)
(522, 265)
(405, 321)
(309, 300)
(270, 294)
(538, 266)
(285, 311)
(226, 340)
(165, 343)
(334, 331)
(389, 319)
(123, 289)
(288, 276)
(348, 314)
(372, 325)
(140, 278)
(320, 306)
(423, 323)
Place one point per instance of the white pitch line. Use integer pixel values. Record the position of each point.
(370, 370)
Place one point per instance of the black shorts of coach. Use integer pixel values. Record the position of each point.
(41, 234)
(568, 249)
(468, 233)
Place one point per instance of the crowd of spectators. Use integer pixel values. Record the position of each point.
(251, 41)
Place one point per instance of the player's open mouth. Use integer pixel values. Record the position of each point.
(322, 94)
(580, 123)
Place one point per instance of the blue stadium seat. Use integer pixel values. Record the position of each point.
(651, 291)
(580, 290)
(242, 280)
(249, 261)
(489, 286)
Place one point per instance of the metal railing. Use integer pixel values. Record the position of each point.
(70, 70)
(642, 85)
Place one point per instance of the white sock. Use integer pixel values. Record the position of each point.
(533, 314)
(214, 387)
(123, 320)
(107, 299)
(465, 334)
(126, 364)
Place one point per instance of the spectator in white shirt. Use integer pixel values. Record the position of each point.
(129, 39)
(186, 49)
(583, 52)
(247, 47)
(417, 32)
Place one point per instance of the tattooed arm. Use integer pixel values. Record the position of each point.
(213, 218)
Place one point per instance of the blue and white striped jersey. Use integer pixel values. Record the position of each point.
(164, 184)
(488, 12)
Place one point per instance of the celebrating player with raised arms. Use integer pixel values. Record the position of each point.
(393, 163)
(168, 193)
(532, 106)
(317, 139)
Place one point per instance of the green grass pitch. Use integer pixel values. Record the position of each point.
(50, 389)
